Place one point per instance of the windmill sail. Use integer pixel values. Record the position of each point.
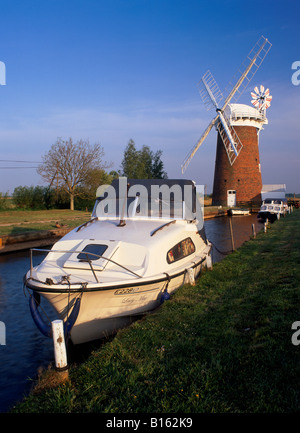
(209, 91)
(212, 97)
(188, 158)
(230, 139)
(248, 68)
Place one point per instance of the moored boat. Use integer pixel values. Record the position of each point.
(272, 209)
(236, 211)
(142, 243)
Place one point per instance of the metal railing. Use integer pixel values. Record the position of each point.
(87, 260)
(248, 115)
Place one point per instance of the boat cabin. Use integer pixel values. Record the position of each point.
(272, 208)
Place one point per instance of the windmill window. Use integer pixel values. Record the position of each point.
(181, 250)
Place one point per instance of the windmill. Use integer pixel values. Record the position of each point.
(213, 98)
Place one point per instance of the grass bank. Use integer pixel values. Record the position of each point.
(19, 222)
(221, 346)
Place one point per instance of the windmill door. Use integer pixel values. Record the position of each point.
(231, 197)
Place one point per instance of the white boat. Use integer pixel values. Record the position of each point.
(238, 212)
(272, 209)
(122, 263)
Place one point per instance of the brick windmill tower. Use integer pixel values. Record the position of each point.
(237, 168)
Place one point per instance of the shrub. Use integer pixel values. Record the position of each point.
(29, 197)
(4, 201)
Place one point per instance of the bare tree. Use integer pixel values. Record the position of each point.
(68, 164)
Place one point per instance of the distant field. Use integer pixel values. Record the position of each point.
(13, 222)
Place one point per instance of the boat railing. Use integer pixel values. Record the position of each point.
(87, 260)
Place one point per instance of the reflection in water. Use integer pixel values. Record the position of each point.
(27, 349)
(218, 232)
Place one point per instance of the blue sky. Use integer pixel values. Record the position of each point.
(110, 71)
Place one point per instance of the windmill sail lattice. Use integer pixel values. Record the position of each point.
(231, 150)
(251, 62)
(209, 91)
(212, 97)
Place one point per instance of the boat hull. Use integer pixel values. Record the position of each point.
(105, 310)
(270, 216)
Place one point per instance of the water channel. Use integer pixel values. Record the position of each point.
(26, 349)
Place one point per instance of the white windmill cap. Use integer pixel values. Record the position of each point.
(242, 114)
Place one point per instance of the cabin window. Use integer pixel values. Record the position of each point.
(181, 250)
(92, 249)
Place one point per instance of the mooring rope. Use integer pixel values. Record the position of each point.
(219, 251)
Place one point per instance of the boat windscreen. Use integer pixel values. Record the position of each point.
(97, 249)
(157, 198)
(135, 207)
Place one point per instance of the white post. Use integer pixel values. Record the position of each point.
(60, 351)
(191, 276)
(208, 262)
(2, 334)
(253, 231)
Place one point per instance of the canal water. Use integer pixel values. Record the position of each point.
(26, 350)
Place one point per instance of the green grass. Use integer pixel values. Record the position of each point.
(221, 346)
(28, 221)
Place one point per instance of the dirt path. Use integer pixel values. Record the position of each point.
(37, 221)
